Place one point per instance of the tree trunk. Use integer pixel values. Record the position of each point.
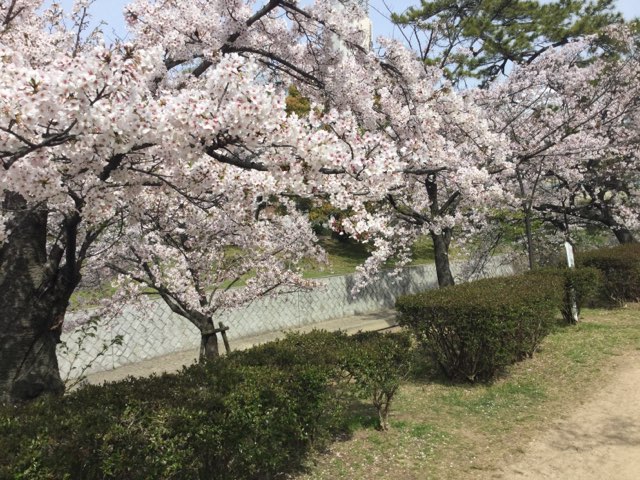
(527, 207)
(529, 237)
(30, 311)
(209, 342)
(441, 242)
(597, 214)
(624, 235)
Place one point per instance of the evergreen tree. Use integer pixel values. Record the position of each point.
(482, 39)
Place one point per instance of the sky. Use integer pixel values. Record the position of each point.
(110, 11)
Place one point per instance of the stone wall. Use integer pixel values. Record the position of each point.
(155, 330)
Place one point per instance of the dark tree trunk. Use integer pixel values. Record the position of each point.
(624, 235)
(31, 311)
(529, 238)
(441, 242)
(209, 342)
(597, 213)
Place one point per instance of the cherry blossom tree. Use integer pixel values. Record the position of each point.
(192, 255)
(445, 154)
(570, 118)
(87, 131)
(148, 158)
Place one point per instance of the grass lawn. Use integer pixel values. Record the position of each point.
(447, 431)
(345, 256)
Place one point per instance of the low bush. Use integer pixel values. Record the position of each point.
(216, 421)
(318, 350)
(378, 363)
(585, 283)
(318, 347)
(620, 267)
(253, 415)
(370, 365)
(474, 330)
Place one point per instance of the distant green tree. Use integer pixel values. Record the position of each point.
(297, 103)
(481, 39)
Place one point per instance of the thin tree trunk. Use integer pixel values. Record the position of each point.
(527, 208)
(529, 237)
(441, 242)
(208, 332)
(30, 310)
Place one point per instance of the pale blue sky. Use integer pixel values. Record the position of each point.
(110, 11)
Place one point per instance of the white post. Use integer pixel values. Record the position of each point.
(572, 292)
(571, 263)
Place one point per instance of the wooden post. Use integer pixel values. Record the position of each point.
(223, 331)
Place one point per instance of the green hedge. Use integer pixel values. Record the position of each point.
(253, 415)
(620, 267)
(370, 365)
(219, 421)
(318, 347)
(583, 282)
(474, 330)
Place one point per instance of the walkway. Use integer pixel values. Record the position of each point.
(600, 440)
(175, 361)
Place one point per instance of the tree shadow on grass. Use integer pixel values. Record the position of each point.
(360, 415)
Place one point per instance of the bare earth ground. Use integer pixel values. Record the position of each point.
(600, 440)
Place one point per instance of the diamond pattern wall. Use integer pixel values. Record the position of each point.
(155, 331)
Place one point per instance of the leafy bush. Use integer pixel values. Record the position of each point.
(587, 282)
(255, 414)
(370, 365)
(377, 364)
(217, 421)
(620, 267)
(474, 330)
(317, 351)
(318, 347)
(583, 282)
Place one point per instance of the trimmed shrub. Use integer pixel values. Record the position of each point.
(474, 330)
(317, 351)
(370, 365)
(216, 421)
(585, 282)
(620, 267)
(253, 415)
(318, 347)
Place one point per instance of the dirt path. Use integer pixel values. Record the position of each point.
(599, 441)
